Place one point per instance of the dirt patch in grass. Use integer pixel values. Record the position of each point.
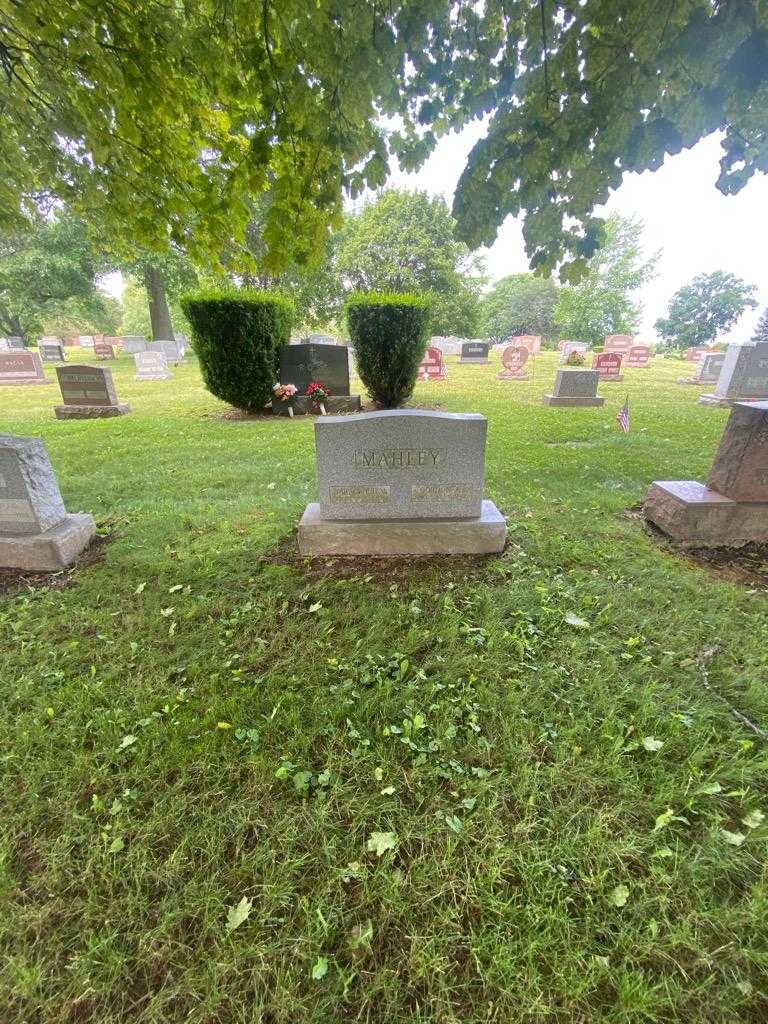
(747, 565)
(14, 580)
(386, 569)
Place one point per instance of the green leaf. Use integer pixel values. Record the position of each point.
(237, 915)
(116, 845)
(320, 968)
(126, 741)
(380, 842)
(619, 896)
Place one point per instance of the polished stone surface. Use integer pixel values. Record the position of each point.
(575, 388)
(300, 365)
(483, 534)
(401, 464)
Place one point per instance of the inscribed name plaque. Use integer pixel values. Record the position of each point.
(731, 509)
(36, 533)
(401, 481)
(514, 358)
(743, 377)
(474, 352)
(151, 366)
(608, 365)
(432, 366)
(639, 357)
(88, 393)
(574, 388)
(18, 367)
(618, 343)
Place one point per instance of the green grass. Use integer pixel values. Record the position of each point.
(195, 720)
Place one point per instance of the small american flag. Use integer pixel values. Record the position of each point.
(623, 416)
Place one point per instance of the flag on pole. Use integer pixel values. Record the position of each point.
(623, 416)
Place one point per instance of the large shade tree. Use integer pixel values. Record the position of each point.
(49, 279)
(160, 121)
(701, 310)
(519, 304)
(406, 242)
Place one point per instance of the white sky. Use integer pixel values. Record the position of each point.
(697, 228)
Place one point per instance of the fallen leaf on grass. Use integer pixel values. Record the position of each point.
(576, 622)
(652, 744)
(237, 915)
(320, 968)
(619, 896)
(754, 819)
(380, 842)
(126, 741)
(732, 838)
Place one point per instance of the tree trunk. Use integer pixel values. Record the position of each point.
(159, 314)
(11, 323)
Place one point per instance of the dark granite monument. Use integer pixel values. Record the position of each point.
(88, 393)
(575, 387)
(300, 365)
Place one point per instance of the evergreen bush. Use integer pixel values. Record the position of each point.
(237, 336)
(390, 334)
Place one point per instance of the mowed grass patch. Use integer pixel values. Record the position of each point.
(238, 790)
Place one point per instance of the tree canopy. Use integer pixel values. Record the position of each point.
(159, 122)
(406, 242)
(48, 274)
(519, 304)
(699, 311)
(603, 302)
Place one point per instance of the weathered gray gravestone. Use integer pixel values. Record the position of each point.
(51, 350)
(474, 352)
(743, 377)
(14, 341)
(151, 366)
(401, 482)
(575, 387)
(18, 367)
(172, 350)
(88, 393)
(731, 509)
(708, 371)
(36, 533)
(133, 343)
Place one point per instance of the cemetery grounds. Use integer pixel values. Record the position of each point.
(242, 788)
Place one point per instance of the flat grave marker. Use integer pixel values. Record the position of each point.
(36, 533)
(88, 393)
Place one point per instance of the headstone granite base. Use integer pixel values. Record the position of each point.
(573, 400)
(731, 509)
(52, 550)
(90, 412)
(483, 535)
(303, 406)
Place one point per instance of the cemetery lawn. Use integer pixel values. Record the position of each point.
(237, 788)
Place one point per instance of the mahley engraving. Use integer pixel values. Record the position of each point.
(399, 458)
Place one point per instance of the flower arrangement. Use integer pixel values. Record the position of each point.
(317, 394)
(284, 393)
(575, 359)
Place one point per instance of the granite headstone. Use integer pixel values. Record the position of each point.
(133, 343)
(18, 367)
(474, 352)
(36, 533)
(51, 350)
(401, 481)
(151, 366)
(608, 365)
(743, 377)
(574, 388)
(88, 393)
